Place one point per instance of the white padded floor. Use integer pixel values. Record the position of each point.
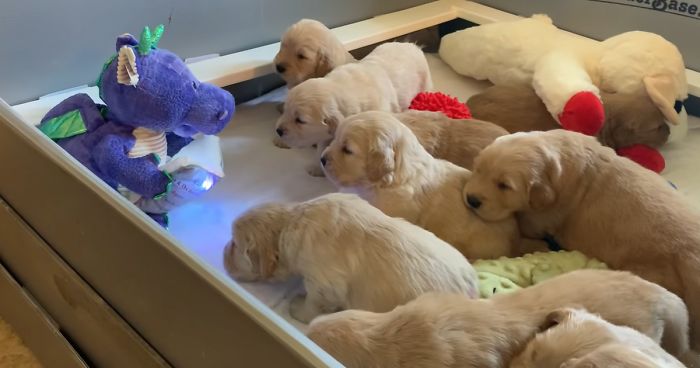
(257, 172)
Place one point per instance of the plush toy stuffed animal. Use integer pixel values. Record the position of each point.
(631, 121)
(505, 274)
(154, 108)
(569, 72)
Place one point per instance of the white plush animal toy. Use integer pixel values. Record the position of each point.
(568, 71)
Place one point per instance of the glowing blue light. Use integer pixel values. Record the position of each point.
(207, 182)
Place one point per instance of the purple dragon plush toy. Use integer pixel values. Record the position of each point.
(154, 107)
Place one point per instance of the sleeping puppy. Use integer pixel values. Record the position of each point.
(376, 156)
(349, 254)
(309, 49)
(451, 331)
(455, 140)
(629, 119)
(574, 338)
(387, 79)
(568, 186)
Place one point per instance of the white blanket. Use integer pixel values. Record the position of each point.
(257, 171)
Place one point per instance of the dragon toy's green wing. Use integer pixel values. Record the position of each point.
(64, 126)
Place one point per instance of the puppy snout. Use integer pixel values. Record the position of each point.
(279, 131)
(323, 160)
(473, 201)
(280, 68)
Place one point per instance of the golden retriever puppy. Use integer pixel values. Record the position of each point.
(629, 119)
(450, 331)
(568, 186)
(454, 140)
(349, 254)
(379, 158)
(575, 338)
(387, 80)
(309, 49)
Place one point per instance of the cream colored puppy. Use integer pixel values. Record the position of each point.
(349, 254)
(567, 185)
(309, 49)
(379, 158)
(575, 338)
(456, 140)
(387, 80)
(450, 331)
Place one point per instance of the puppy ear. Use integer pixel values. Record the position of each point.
(541, 195)
(324, 64)
(555, 318)
(331, 122)
(661, 89)
(268, 259)
(541, 192)
(381, 161)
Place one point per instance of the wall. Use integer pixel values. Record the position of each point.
(50, 45)
(677, 21)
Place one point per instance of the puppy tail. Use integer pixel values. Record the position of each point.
(688, 273)
(544, 18)
(674, 315)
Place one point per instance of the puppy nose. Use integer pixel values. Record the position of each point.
(473, 201)
(280, 68)
(323, 160)
(280, 131)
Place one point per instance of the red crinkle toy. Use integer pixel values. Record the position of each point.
(644, 155)
(436, 101)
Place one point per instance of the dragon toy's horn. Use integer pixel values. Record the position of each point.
(157, 34)
(150, 40)
(127, 72)
(145, 41)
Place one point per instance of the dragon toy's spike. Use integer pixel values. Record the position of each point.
(157, 34)
(145, 41)
(127, 72)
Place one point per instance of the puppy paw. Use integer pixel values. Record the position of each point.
(278, 142)
(300, 310)
(315, 170)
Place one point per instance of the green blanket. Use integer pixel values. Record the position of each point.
(510, 274)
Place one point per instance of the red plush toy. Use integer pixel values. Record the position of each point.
(450, 106)
(646, 156)
(436, 101)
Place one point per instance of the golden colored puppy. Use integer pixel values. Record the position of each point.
(575, 338)
(451, 331)
(455, 140)
(629, 119)
(387, 80)
(567, 185)
(309, 49)
(349, 254)
(379, 158)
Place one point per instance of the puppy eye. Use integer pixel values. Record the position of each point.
(503, 186)
(299, 121)
(301, 56)
(346, 150)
